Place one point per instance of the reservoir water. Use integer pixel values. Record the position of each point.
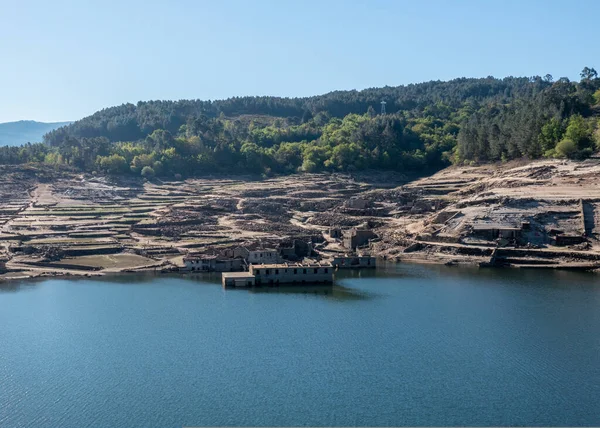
(406, 345)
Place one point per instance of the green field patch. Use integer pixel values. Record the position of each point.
(109, 261)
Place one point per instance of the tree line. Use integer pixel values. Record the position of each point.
(428, 126)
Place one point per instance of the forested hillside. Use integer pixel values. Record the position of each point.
(426, 126)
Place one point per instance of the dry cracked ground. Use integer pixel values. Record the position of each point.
(55, 223)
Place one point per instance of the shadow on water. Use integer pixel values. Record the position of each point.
(145, 277)
(123, 278)
(14, 285)
(333, 292)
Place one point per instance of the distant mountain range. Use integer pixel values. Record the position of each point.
(25, 131)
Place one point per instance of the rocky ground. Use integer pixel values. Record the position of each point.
(549, 196)
(56, 223)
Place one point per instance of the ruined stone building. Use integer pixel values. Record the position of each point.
(264, 255)
(335, 232)
(356, 203)
(493, 231)
(296, 250)
(355, 238)
(212, 263)
(237, 252)
(354, 262)
(273, 274)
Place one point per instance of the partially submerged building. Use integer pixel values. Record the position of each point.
(350, 262)
(297, 273)
(237, 279)
(283, 273)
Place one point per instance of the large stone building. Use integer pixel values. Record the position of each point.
(297, 273)
(285, 273)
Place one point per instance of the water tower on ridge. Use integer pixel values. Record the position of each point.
(383, 107)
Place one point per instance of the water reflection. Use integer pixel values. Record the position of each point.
(10, 286)
(507, 276)
(14, 285)
(333, 292)
(454, 274)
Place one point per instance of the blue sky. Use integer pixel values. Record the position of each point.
(62, 60)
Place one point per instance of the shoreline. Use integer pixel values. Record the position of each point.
(7, 278)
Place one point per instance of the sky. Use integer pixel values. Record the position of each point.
(63, 59)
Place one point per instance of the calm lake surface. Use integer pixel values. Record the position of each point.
(406, 345)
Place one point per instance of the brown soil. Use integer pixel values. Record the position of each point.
(51, 218)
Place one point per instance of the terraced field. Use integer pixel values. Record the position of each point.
(55, 223)
(80, 224)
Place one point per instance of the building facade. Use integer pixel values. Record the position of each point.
(354, 262)
(237, 279)
(263, 256)
(212, 264)
(273, 274)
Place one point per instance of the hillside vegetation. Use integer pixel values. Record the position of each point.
(427, 126)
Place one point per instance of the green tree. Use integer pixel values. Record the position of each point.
(550, 134)
(113, 164)
(157, 166)
(588, 74)
(141, 161)
(147, 172)
(306, 116)
(597, 135)
(578, 131)
(159, 140)
(566, 148)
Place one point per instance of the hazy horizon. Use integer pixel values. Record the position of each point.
(37, 121)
